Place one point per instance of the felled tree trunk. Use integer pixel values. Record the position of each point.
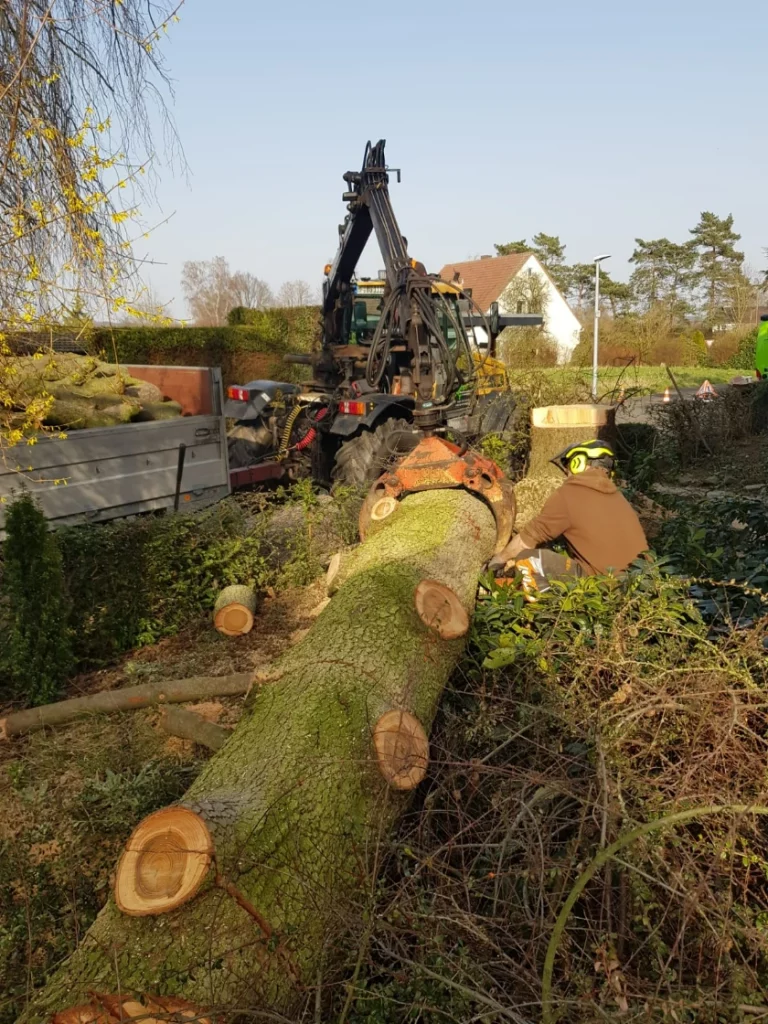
(305, 789)
(553, 428)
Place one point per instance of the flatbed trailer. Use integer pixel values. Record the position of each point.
(111, 472)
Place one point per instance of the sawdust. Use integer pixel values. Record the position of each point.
(211, 710)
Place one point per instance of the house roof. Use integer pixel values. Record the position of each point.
(486, 277)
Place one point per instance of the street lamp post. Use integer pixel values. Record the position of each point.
(598, 261)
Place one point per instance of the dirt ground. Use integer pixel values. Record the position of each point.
(739, 470)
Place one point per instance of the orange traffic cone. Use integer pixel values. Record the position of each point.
(667, 397)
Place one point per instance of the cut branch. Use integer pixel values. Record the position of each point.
(233, 611)
(131, 698)
(189, 726)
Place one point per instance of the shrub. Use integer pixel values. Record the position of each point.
(36, 645)
(585, 718)
(744, 356)
(250, 349)
(136, 581)
(523, 347)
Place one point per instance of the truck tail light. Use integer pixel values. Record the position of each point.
(238, 394)
(352, 408)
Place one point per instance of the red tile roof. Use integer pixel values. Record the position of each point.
(488, 277)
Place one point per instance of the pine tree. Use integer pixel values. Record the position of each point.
(664, 271)
(718, 260)
(550, 252)
(511, 248)
(618, 294)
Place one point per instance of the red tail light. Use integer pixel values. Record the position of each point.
(353, 408)
(759, 375)
(239, 394)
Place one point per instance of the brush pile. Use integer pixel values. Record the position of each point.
(585, 719)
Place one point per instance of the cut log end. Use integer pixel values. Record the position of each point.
(234, 620)
(440, 609)
(165, 861)
(233, 611)
(384, 507)
(402, 749)
(113, 1009)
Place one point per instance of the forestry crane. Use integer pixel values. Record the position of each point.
(398, 361)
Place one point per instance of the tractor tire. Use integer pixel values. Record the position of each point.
(501, 415)
(363, 459)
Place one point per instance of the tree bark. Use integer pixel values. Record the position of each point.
(131, 698)
(298, 799)
(189, 726)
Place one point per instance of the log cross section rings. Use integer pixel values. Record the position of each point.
(402, 749)
(440, 609)
(165, 861)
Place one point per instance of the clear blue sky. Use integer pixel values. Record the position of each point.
(598, 121)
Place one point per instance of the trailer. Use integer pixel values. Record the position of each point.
(111, 472)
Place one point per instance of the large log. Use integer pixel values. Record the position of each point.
(553, 427)
(311, 778)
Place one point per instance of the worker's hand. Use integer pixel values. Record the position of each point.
(509, 554)
(497, 564)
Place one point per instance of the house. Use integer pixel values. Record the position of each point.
(489, 280)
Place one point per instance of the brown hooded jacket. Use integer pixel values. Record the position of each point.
(600, 527)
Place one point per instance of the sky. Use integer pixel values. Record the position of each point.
(596, 121)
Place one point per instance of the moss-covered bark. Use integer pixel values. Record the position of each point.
(294, 802)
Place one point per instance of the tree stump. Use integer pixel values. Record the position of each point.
(553, 428)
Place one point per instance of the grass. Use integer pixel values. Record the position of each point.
(645, 378)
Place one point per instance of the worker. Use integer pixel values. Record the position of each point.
(600, 529)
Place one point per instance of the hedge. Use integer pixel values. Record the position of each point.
(132, 582)
(250, 348)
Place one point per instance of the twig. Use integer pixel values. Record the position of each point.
(547, 1010)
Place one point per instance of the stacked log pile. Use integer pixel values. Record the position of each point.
(85, 392)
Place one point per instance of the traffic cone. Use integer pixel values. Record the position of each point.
(706, 391)
(667, 396)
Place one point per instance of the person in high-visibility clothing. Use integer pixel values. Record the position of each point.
(761, 349)
(600, 529)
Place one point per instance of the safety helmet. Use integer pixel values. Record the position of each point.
(577, 457)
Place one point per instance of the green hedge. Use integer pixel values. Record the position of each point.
(132, 582)
(251, 347)
(744, 358)
(298, 325)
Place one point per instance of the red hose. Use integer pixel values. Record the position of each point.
(311, 434)
(307, 440)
